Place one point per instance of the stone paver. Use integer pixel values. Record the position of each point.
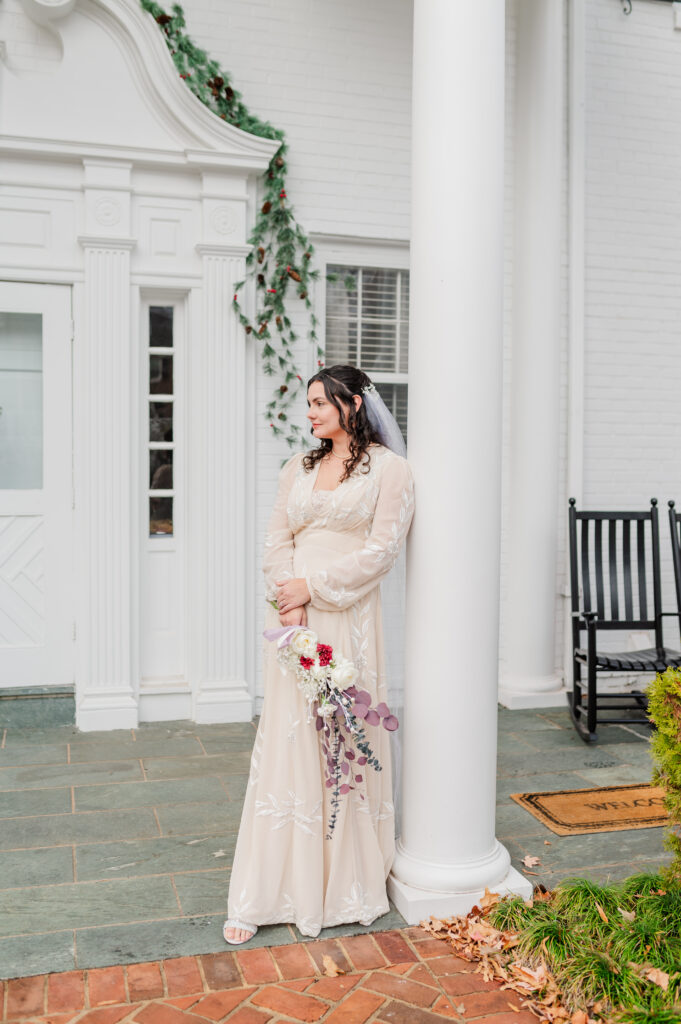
(117, 850)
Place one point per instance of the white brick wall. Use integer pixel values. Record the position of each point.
(633, 260)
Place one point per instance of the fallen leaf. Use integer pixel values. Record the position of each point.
(331, 968)
(490, 899)
(531, 862)
(579, 1017)
(546, 842)
(461, 1008)
(657, 977)
(601, 913)
(628, 915)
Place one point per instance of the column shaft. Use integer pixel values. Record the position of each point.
(448, 851)
(529, 676)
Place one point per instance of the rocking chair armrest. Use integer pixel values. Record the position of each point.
(589, 617)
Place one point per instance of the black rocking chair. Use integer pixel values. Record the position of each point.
(618, 568)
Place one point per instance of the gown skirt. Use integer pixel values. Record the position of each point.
(285, 868)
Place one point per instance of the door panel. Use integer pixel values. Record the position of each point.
(36, 593)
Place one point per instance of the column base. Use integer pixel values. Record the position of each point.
(110, 709)
(416, 904)
(223, 702)
(518, 691)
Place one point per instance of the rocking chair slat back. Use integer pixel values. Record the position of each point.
(626, 566)
(675, 531)
(612, 557)
(641, 549)
(620, 580)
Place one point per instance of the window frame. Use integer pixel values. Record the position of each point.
(362, 253)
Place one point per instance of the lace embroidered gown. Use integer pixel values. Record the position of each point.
(343, 542)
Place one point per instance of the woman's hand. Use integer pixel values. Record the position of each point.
(291, 594)
(296, 617)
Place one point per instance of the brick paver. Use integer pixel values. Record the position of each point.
(390, 978)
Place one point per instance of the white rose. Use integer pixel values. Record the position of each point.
(326, 710)
(343, 675)
(305, 642)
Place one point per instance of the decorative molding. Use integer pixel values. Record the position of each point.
(224, 251)
(46, 11)
(107, 242)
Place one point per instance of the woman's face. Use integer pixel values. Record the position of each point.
(323, 414)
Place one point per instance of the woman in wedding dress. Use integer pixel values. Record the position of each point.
(341, 515)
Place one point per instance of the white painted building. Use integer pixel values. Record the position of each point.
(136, 468)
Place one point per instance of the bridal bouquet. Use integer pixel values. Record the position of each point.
(340, 711)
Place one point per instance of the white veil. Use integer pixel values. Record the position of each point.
(385, 426)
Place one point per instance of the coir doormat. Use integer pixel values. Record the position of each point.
(571, 812)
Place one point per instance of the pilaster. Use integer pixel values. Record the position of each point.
(221, 692)
(105, 458)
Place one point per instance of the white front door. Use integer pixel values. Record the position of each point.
(36, 577)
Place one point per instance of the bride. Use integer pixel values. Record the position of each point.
(340, 517)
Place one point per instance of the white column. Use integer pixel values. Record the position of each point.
(529, 677)
(219, 496)
(448, 853)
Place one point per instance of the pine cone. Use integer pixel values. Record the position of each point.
(261, 280)
(303, 294)
(261, 254)
(283, 389)
(294, 274)
(266, 206)
(163, 19)
(279, 161)
(249, 329)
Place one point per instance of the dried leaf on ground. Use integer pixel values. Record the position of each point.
(656, 976)
(531, 862)
(601, 913)
(628, 915)
(490, 899)
(331, 968)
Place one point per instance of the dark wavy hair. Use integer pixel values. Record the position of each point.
(340, 384)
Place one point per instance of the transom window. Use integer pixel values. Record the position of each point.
(367, 325)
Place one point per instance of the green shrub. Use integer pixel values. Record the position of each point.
(664, 708)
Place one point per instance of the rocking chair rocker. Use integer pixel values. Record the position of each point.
(615, 556)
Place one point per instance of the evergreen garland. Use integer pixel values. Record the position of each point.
(281, 253)
(664, 709)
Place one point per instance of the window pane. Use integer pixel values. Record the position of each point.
(404, 326)
(341, 342)
(161, 327)
(160, 515)
(160, 421)
(160, 470)
(21, 401)
(341, 294)
(378, 347)
(395, 397)
(379, 293)
(160, 375)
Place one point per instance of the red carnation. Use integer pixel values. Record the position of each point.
(306, 662)
(325, 654)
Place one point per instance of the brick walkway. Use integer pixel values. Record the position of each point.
(395, 977)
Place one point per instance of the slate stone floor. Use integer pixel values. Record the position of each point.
(115, 848)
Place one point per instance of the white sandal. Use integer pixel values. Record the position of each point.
(242, 926)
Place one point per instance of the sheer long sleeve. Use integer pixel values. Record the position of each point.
(348, 578)
(277, 561)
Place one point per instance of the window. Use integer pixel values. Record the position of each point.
(367, 325)
(161, 400)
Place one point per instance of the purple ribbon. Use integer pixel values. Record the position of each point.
(283, 635)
